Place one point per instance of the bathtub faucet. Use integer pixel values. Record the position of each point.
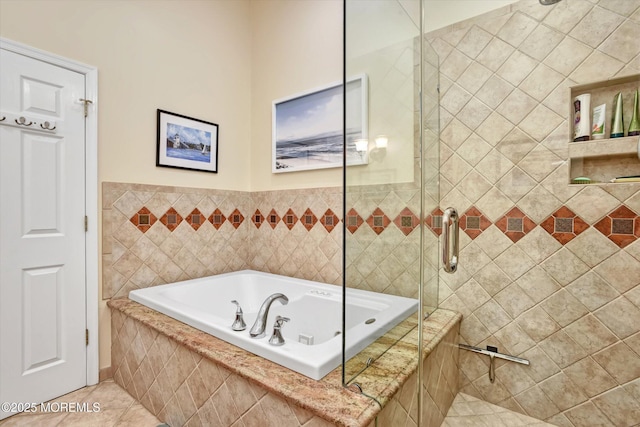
(257, 330)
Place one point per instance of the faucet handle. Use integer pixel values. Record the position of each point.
(277, 338)
(239, 309)
(238, 324)
(280, 321)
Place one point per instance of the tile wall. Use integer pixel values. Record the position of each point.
(156, 234)
(550, 271)
(182, 388)
(440, 387)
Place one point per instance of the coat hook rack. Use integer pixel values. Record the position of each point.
(492, 352)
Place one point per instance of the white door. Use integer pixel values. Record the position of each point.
(42, 232)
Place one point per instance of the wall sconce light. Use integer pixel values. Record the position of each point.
(380, 151)
(382, 141)
(361, 145)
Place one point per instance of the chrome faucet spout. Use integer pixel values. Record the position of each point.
(257, 330)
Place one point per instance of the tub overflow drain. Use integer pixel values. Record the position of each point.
(369, 321)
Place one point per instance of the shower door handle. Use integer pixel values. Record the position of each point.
(450, 220)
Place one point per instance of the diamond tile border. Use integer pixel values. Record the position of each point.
(564, 225)
(273, 218)
(143, 219)
(290, 219)
(195, 219)
(329, 220)
(354, 221)
(378, 221)
(257, 219)
(515, 224)
(621, 226)
(171, 219)
(434, 221)
(217, 219)
(473, 222)
(406, 221)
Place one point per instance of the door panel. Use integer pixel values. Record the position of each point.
(42, 236)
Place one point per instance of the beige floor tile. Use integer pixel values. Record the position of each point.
(116, 408)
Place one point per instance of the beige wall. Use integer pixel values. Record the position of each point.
(296, 46)
(189, 57)
(194, 58)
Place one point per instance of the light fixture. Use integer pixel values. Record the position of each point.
(382, 141)
(361, 145)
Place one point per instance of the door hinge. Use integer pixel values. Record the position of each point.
(86, 223)
(86, 335)
(86, 103)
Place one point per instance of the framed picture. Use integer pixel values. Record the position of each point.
(186, 143)
(308, 128)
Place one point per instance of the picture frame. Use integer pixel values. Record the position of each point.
(186, 143)
(307, 128)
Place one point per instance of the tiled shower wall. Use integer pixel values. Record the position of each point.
(549, 271)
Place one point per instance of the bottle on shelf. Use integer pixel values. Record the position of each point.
(617, 122)
(634, 126)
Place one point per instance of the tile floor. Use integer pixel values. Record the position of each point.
(119, 409)
(469, 411)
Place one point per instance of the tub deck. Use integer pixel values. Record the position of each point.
(326, 398)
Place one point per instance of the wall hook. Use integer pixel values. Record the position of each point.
(46, 126)
(23, 122)
(3, 119)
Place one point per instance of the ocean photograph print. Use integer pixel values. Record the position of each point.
(308, 127)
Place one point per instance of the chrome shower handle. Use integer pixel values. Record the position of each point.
(450, 219)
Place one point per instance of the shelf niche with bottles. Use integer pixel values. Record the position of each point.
(602, 160)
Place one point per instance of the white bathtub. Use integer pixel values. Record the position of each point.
(315, 310)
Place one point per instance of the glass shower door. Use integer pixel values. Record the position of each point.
(394, 190)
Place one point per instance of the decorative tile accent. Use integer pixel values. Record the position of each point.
(236, 218)
(515, 224)
(273, 218)
(564, 225)
(308, 219)
(217, 219)
(171, 219)
(473, 222)
(143, 219)
(406, 221)
(621, 226)
(354, 221)
(434, 221)
(378, 221)
(257, 219)
(329, 220)
(290, 219)
(195, 219)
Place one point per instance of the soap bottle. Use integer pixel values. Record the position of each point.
(634, 126)
(617, 122)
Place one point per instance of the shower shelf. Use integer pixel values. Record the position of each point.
(605, 148)
(604, 159)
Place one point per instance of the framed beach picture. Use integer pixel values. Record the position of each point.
(308, 127)
(186, 143)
